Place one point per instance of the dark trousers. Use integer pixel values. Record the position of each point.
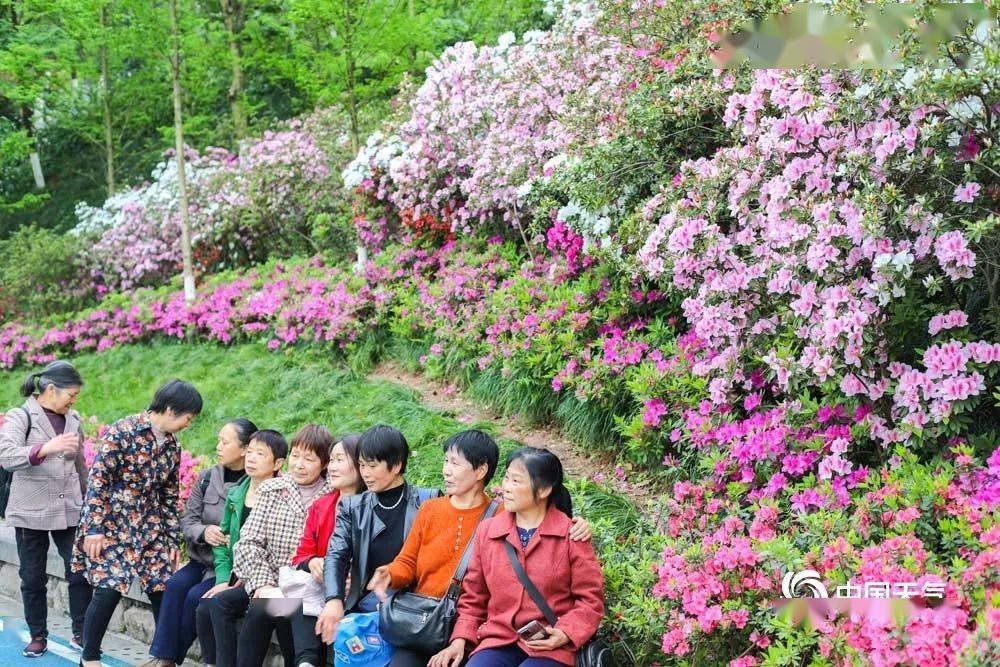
(176, 629)
(99, 612)
(248, 647)
(508, 656)
(33, 552)
(404, 657)
(206, 633)
(308, 645)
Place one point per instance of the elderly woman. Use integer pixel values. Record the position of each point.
(203, 514)
(40, 442)
(130, 524)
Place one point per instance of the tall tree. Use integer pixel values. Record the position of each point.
(175, 71)
(234, 17)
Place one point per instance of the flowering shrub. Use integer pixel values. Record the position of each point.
(489, 118)
(799, 272)
(135, 235)
(242, 208)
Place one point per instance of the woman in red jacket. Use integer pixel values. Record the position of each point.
(494, 605)
(344, 476)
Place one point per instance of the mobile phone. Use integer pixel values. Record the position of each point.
(533, 631)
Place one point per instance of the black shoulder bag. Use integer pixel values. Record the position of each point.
(594, 653)
(422, 623)
(7, 477)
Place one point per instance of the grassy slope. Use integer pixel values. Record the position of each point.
(273, 390)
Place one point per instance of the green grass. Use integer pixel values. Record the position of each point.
(274, 390)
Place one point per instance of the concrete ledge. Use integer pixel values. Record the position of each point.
(133, 617)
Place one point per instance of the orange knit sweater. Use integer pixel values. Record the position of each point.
(435, 546)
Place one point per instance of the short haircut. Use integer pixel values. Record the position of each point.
(316, 439)
(384, 443)
(274, 441)
(476, 447)
(179, 396)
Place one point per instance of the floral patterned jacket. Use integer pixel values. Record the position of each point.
(133, 500)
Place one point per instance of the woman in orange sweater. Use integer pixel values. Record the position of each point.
(444, 526)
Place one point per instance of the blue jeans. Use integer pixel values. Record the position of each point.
(176, 629)
(508, 656)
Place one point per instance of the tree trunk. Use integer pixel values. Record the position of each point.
(175, 70)
(413, 47)
(352, 105)
(233, 16)
(109, 145)
(33, 157)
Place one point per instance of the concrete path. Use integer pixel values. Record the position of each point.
(119, 650)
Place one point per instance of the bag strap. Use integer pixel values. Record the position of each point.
(463, 565)
(27, 415)
(529, 585)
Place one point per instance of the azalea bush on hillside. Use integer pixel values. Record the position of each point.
(276, 198)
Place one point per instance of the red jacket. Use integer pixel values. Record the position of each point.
(493, 603)
(319, 527)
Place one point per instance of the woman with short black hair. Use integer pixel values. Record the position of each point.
(40, 442)
(130, 523)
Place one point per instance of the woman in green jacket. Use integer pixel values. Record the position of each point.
(265, 455)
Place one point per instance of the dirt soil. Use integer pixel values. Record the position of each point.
(599, 466)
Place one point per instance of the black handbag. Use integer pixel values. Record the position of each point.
(422, 623)
(595, 653)
(7, 477)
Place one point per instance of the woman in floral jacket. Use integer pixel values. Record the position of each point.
(129, 525)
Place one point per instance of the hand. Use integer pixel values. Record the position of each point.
(326, 624)
(580, 530)
(218, 588)
(215, 537)
(380, 582)
(316, 567)
(93, 546)
(451, 656)
(67, 443)
(175, 559)
(555, 639)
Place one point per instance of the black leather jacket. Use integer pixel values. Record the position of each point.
(355, 527)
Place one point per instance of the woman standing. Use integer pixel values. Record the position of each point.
(41, 442)
(130, 525)
(176, 630)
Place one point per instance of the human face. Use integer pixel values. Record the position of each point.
(517, 493)
(229, 450)
(304, 466)
(459, 475)
(341, 471)
(58, 399)
(378, 476)
(259, 462)
(175, 423)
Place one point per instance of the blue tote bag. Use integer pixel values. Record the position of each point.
(359, 643)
